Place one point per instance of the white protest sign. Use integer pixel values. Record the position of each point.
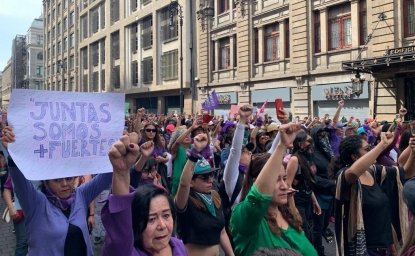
(64, 134)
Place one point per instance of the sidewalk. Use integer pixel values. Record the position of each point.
(7, 238)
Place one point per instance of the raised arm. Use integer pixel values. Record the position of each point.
(123, 154)
(230, 175)
(182, 195)
(363, 163)
(337, 114)
(409, 165)
(268, 176)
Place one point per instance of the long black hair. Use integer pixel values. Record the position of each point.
(140, 209)
(305, 158)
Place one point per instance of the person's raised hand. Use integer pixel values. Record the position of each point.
(147, 148)
(8, 135)
(412, 143)
(288, 133)
(245, 112)
(200, 142)
(386, 138)
(341, 103)
(198, 121)
(123, 153)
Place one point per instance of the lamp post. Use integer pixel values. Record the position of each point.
(176, 8)
(357, 84)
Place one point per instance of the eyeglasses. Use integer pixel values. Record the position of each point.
(67, 179)
(151, 130)
(205, 177)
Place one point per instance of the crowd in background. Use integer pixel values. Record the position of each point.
(244, 184)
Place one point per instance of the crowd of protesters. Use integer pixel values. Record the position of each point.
(242, 184)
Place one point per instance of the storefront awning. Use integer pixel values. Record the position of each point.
(393, 57)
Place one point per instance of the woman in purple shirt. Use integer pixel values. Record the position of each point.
(137, 222)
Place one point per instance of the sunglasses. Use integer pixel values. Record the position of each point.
(151, 130)
(206, 176)
(68, 179)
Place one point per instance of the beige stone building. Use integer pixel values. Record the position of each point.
(6, 84)
(306, 53)
(130, 46)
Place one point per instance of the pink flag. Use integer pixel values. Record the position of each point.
(262, 109)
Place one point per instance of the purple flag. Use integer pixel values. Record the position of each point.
(211, 102)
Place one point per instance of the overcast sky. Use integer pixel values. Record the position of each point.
(16, 16)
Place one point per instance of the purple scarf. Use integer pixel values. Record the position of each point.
(61, 203)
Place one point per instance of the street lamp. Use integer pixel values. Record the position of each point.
(357, 84)
(176, 9)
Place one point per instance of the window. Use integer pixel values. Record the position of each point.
(271, 41)
(95, 54)
(72, 40)
(39, 71)
(115, 77)
(340, 27)
(224, 53)
(134, 38)
(71, 84)
(317, 32)
(133, 5)
(95, 81)
(71, 62)
(144, 2)
(102, 16)
(103, 80)
(40, 56)
(58, 48)
(169, 27)
(84, 27)
(71, 18)
(94, 16)
(362, 22)
(409, 18)
(134, 73)
(85, 83)
(64, 24)
(169, 65)
(84, 56)
(65, 43)
(115, 10)
(256, 46)
(223, 6)
(103, 51)
(53, 32)
(115, 42)
(147, 32)
(147, 70)
(58, 9)
(235, 52)
(287, 38)
(39, 39)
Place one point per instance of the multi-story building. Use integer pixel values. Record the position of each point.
(122, 46)
(61, 28)
(34, 59)
(310, 54)
(6, 84)
(18, 65)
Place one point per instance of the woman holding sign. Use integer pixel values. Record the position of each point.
(56, 216)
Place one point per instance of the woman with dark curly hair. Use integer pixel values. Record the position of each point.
(370, 210)
(263, 218)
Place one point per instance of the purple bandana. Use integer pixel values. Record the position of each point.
(61, 203)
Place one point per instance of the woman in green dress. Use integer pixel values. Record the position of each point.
(263, 219)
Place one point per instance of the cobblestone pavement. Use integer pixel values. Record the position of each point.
(7, 238)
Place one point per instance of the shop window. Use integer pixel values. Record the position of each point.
(340, 27)
(362, 22)
(409, 17)
(224, 53)
(271, 41)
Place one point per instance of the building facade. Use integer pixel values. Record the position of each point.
(294, 50)
(34, 57)
(18, 59)
(6, 84)
(132, 46)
